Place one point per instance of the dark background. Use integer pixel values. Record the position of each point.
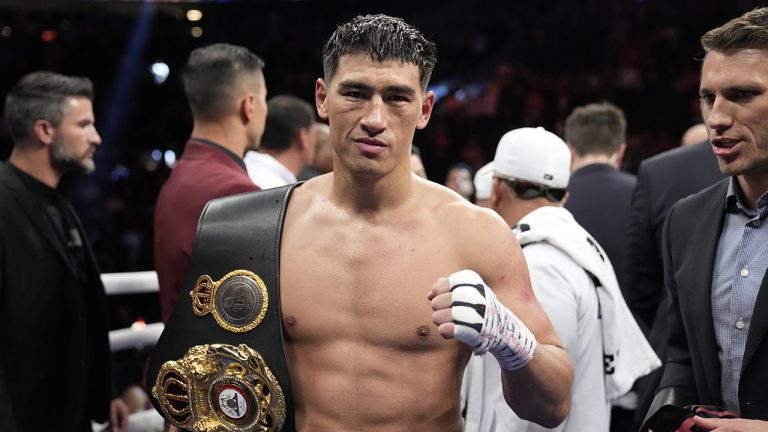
(501, 65)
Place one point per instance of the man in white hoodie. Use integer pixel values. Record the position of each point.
(574, 281)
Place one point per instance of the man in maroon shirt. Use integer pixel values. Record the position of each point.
(227, 95)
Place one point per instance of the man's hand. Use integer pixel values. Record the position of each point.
(118, 415)
(466, 309)
(730, 425)
(440, 297)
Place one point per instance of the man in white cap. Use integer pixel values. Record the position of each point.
(573, 279)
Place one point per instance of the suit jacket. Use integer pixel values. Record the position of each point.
(661, 181)
(599, 201)
(690, 241)
(54, 350)
(203, 173)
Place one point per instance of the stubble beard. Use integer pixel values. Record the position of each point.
(67, 161)
(748, 167)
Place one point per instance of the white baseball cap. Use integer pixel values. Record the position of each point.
(484, 182)
(534, 155)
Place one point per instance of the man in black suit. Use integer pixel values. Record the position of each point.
(661, 181)
(55, 359)
(714, 242)
(599, 194)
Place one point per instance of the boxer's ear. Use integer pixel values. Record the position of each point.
(321, 96)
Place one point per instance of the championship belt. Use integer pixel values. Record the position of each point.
(220, 364)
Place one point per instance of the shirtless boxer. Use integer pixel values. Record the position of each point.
(369, 333)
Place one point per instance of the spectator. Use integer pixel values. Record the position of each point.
(459, 180)
(288, 144)
(574, 283)
(483, 182)
(55, 364)
(661, 181)
(600, 194)
(227, 95)
(694, 134)
(322, 163)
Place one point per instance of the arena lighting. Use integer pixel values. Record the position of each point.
(196, 31)
(139, 324)
(170, 158)
(156, 155)
(6, 31)
(194, 15)
(159, 71)
(124, 82)
(48, 35)
(469, 92)
(440, 90)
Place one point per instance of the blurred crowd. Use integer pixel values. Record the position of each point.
(502, 65)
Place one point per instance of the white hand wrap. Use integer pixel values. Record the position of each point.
(486, 325)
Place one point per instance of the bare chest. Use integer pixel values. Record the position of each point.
(363, 285)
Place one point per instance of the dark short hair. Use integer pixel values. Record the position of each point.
(747, 31)
(597, 128)
(381, 38)
(41, 96)
(286, 115)
(212, 73)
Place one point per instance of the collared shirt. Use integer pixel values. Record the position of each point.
(266, 171)
(227, 151)
(740, 265)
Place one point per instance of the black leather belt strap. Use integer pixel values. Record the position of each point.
(237, 232)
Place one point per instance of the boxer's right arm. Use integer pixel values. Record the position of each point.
(539, 391)
(536, 377)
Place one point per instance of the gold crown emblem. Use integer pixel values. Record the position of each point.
(220, 388)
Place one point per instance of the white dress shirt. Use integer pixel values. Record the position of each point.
(266, 171)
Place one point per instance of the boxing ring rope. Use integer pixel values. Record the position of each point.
(130, 282)
(137, 336)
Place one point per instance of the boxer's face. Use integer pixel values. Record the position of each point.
(373, 109)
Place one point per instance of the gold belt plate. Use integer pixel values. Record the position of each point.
(238, 301)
